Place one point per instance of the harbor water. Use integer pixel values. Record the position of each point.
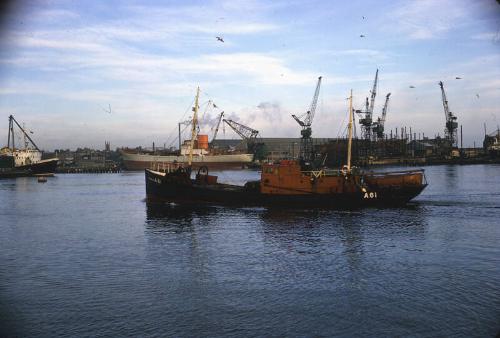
(83, 255)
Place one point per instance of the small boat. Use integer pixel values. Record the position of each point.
(289, 183)
(42, 179)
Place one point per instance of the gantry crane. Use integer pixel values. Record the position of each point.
(305, 121)
(367, 121)
(450, 130)
(378, 126)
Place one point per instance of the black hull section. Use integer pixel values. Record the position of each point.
(169, 189)
(45, 167)
(42, 167)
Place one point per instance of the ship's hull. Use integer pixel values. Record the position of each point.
(44, 167)
(162, 187)
(133, 161)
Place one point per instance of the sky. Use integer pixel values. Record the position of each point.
(79, 73)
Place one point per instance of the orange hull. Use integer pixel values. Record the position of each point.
(287, 178)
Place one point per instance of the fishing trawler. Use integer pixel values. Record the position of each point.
(26, 161)
(297, 183)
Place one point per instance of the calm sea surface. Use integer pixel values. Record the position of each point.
(84, 256)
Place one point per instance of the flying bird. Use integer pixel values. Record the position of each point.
(363, 17)
(219, 38)
(458, 78)
(107, 110)
(477, 96)
(412, 87)
(361, 36)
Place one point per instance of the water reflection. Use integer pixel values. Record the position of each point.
(174, 229)
(451, 176)
(331, 236)
(352, 238)
(171, 215)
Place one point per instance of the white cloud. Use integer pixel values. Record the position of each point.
(426, 19)
(491, 36)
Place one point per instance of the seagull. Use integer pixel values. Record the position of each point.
(458, 78)
(219, 38)
(412, 86)
(107, 111)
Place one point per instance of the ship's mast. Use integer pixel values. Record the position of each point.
(12, 120)
(194, 125)
(349, 144)
(11, 134)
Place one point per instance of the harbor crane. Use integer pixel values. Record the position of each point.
(245, 132)
(451, 126)
(221, 115)
(249, 135)
(367, 121)
(305, 121)
(378, 126)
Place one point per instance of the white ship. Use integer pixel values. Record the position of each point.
(195, 152)
(202, 156)
(24, 161)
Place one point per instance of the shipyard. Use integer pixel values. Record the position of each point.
(249, 168)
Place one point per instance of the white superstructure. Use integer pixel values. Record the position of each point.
(26, 157)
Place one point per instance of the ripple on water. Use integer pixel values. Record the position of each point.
(85, 255)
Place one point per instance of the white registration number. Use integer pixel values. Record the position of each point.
(154, 179)
(369, 195)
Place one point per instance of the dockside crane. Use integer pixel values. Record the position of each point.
(367, 121)
(221, 115)
(249, 135)
(378, 126)
(451, 126)
(246, 133)
(305, 121)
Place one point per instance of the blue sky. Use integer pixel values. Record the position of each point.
(63, 63)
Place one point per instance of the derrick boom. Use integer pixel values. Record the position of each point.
(218, 125)
(243, 131)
